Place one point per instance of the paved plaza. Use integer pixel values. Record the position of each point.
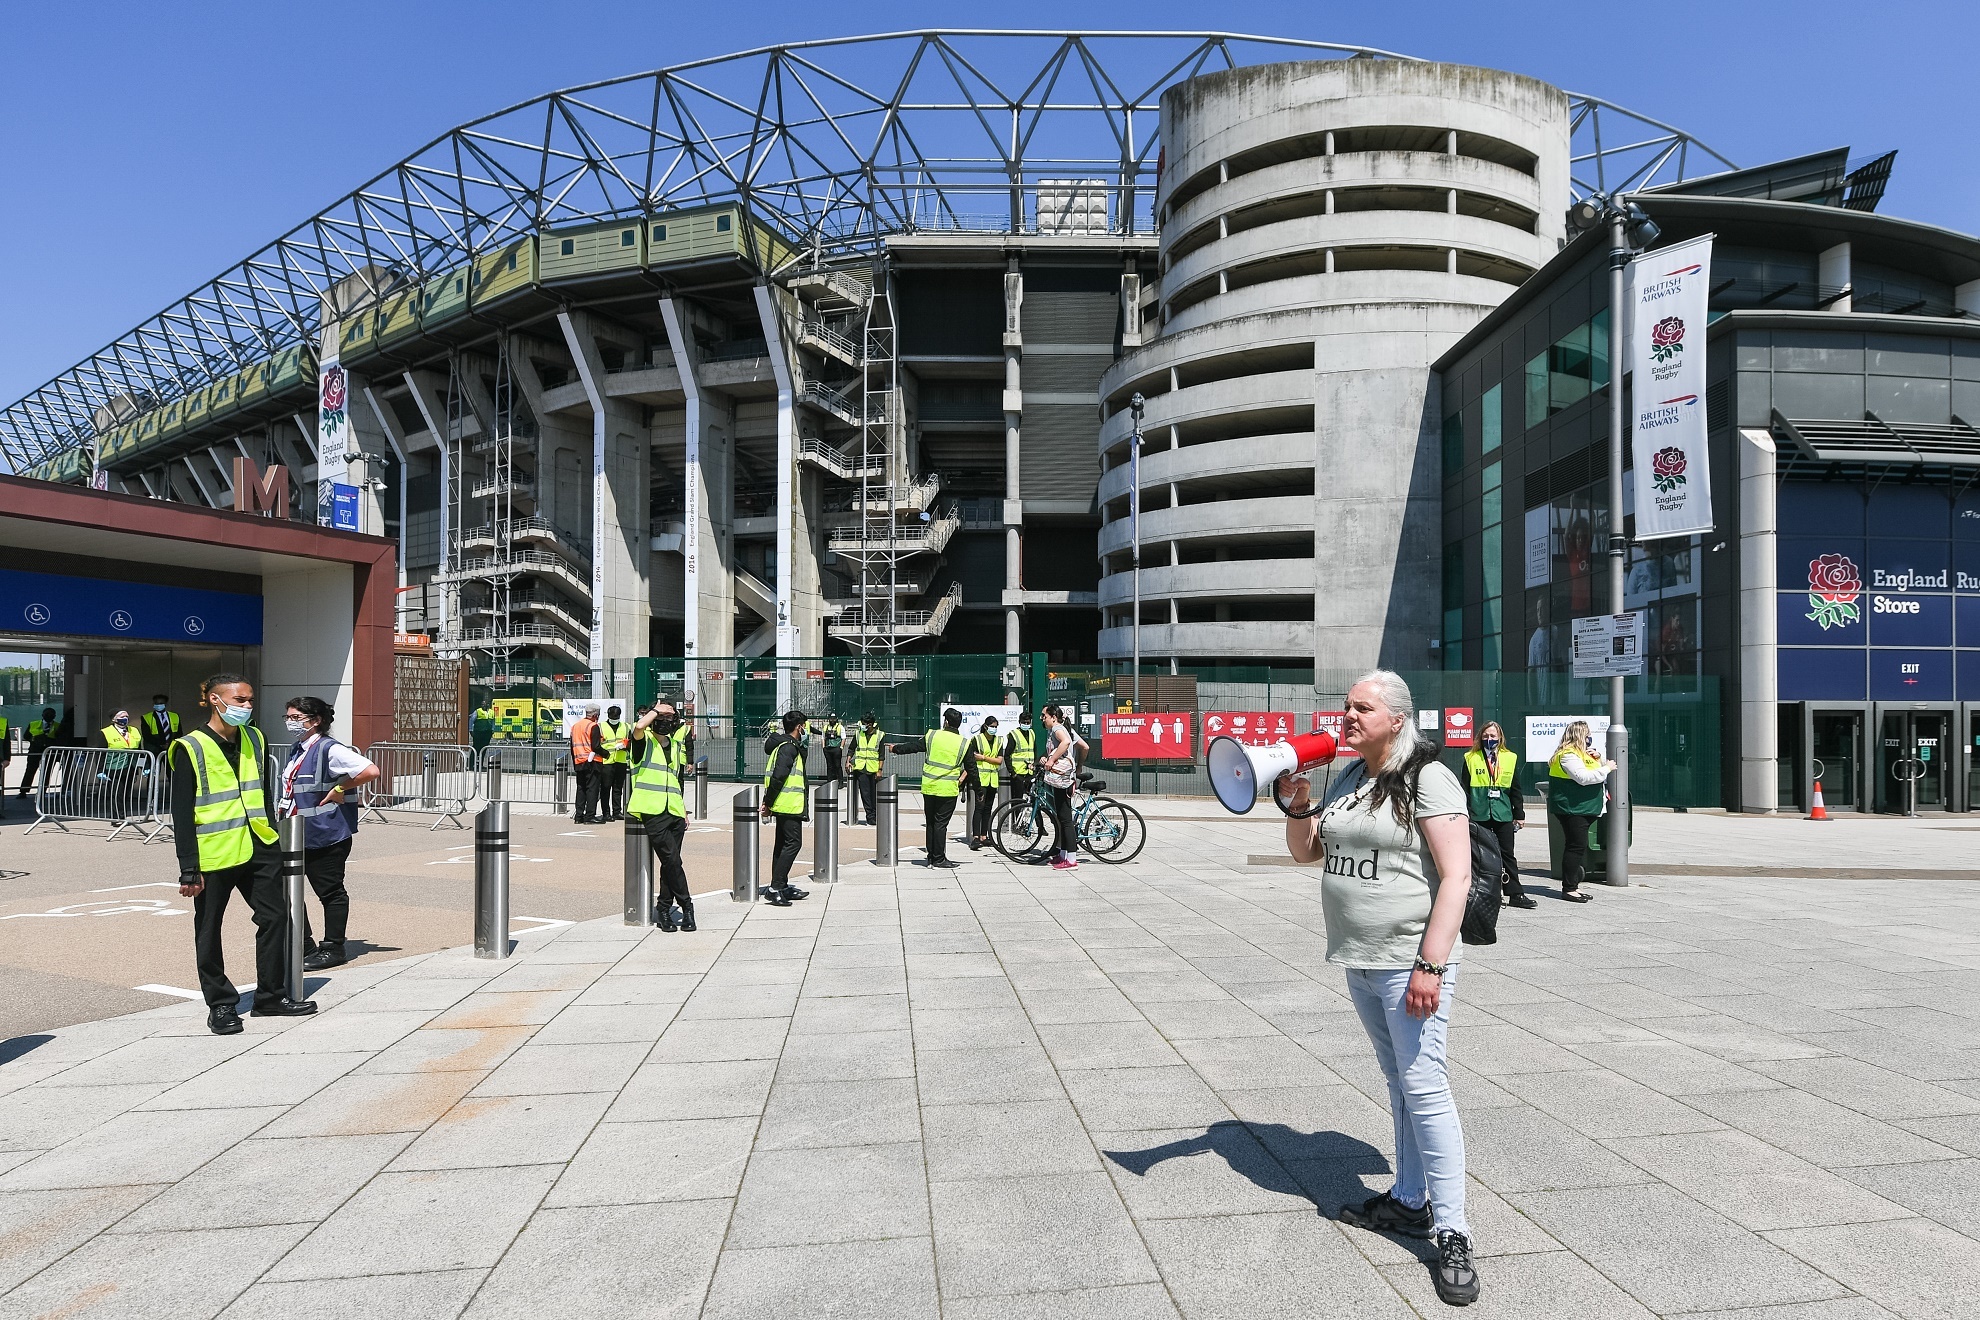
(1745, 1087)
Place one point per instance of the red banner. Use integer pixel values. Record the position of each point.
(1253, 728)
(1332, 722)
(1147, 737)
(1459, 727)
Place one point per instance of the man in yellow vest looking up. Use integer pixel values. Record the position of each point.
(986, 756)
(226, 841)
(868, 748)
(784, 801)
(615, 739)
(941, 781)
(656, 799)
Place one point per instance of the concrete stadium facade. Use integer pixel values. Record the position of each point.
(1329, 228)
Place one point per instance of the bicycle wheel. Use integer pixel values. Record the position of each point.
(1021, 833)
(1113, 832)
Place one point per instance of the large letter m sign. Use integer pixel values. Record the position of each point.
(258, 492)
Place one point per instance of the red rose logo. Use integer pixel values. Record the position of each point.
(1834, 583)
(1667, 467)
(1667, 338)
(333, 389)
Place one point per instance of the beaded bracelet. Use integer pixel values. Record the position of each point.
(1424, 965)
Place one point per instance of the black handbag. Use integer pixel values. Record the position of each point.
(1481, 905)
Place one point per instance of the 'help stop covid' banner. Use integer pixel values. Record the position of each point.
(1667, 360)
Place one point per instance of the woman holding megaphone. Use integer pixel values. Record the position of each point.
(1394, 835)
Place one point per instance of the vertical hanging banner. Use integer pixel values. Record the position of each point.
(1667, 359)
(333, 435)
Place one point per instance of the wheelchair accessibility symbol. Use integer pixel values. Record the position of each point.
(194, 625)
(120, 620)
(38, 614)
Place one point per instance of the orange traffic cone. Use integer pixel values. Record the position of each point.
(1818, 813)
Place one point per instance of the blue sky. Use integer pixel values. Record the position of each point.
(148, 147)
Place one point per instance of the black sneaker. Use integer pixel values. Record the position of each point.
(663, 917)
(324, 956)
(1456, 1276)
(1385, 1214)
(687, 920)
(793, 892)
(1523, 902)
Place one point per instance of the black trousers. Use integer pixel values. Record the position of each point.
(616, 774)
(666, 834)
(936, 812)
(325, 869)
(1507, 833)
(982, 810)
(590, 790)
(30, 770)
(260, 883)
(1574, 853)
(835, 763)
(790, 841)
(864, 787)
(1020, 788)
(1062, 822)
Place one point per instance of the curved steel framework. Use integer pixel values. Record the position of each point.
(837, 142)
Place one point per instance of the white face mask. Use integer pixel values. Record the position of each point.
(295, 725)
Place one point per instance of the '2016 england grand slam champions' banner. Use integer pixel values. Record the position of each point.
(1667, 359)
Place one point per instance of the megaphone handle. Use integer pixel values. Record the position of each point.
(1311, 809)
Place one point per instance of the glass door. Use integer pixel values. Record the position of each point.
(1931, 740)
(1837, 744)
(1913, 751)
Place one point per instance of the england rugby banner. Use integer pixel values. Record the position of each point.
(1667, 359)
(333, 438)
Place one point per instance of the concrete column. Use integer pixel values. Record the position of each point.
(694, 494)
(1013, 453)
(367, 437)
(1832, 271)
(1759, 691)
(621, 543)
(793, 527)
(434, 412)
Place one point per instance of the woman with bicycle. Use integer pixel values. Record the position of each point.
(1394, 832)
(1060, 767)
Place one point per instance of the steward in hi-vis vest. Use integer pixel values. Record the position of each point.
(1491, 776)
(784, 801)
(226, 841)
(941, 780)
(662, 749)
(986, 754)
(868, 746)
(615, 740)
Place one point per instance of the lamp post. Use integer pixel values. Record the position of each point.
(1628, 228)
(1134, 531)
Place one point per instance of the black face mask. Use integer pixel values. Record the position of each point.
(668, 723)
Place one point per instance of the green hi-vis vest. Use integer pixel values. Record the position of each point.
(986, 773)
(866, 750)
(835, 735)
(229, 812)
(1023, 743)
(1489, 799)
(656, 781)
(616, 735)
(787, 799)
(1568, 797)
(941, 773)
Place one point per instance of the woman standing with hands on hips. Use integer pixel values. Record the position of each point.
(1394, 833)
(319, 773)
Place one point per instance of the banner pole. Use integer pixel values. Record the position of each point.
(1615, 842)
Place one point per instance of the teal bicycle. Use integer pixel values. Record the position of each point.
(1108, 829)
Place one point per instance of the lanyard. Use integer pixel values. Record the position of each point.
(296, 756)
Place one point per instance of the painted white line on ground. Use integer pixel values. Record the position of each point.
(154, 884)
(175, 991)
(576, 834)
(543, 924)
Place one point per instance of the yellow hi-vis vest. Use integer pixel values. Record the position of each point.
(617, 738)
(985, 745)
(229, 812)
(1023, 742)
(866, 749)
(656, 781)
(1489, 799)
(1567, 797)
(153, 726)
(128, 739)
(786, 799)
(941, 773)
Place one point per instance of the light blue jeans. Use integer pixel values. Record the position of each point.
(1429, 1142)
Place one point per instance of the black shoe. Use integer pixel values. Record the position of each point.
(1456, 1277)
(947, 865)
(282, 1007)
(326, 955)
(1385, 1214)
(687, 920)
(1576, 896)
(793, 892)
(776, 898)
(663, 917)
(1522, 902)
(222, 1020)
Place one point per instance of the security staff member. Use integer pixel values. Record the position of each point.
(42, 734)
(784, 801)
(941, 781)
(588, 756)
(867, 751)
(319, 773)
(1020, 755)
(481, 727)
(118, 778)
(835, 756)
(6, 756)
(1492, 775)
(660, 758)
(986, 754)
(226, 842)
(160, 727)
(615, 740)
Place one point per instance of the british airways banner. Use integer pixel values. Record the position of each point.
(1667, 359)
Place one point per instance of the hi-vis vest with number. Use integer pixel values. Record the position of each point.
(616, 735)
(1023, 741)
(656, 782)
(125, 739)
(941, 773)
(786, 799)
(1566, 796)
(985, 744)
(1490, 798)
(229, 812)
(866, 750)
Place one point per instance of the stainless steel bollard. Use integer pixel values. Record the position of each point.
(887, 827)
(701, 789)
(747, 862)
(560, 786)
(429, 779)
(291, 840)
(491, 783)
(825, 832)
(639, 873)
(491, 881)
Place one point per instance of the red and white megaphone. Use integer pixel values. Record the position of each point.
(1237, 771)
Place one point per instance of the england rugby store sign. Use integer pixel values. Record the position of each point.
(1667, 360)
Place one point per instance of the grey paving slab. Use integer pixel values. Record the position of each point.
(550, 1069)
(266, 1180)
(1818, 1130)
(406, 1223)
(38, 1227)
(1009, 1235)
(1242, 1266)
(529, 1008)
(1523, 1150)
(359, 1102)
(718, 1040)
(1133, 1301)
(691, 1159)
(1014, 1139)
(1537, 1286)
(671, 1090)
(574, 1263)
(657, 989)
(145, 1276)
(1758, 1186)
(976, 1076)
(1670, 1068)
(440, 1295)
(488, 1131)
(42, 1117)
(1869, 1089)
(341, 1030)
(832, 1194)
(1945, 1190)
(1913, 1267)
(159, 1059)
(257, 1079)
(1192, 1173)
(1124, 1099)
(878, 1280)
(858, 1113)
(450, 1049)
(1601, 1104)
(855, 1057)
(140, 1147)
(850, 1013)
(1842, 1308)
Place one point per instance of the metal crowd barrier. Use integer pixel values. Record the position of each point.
(100, 783)
(425, 778)
(527, 774)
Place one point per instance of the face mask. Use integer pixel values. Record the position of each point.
(237, 715)
(122, 721)
(295, 726)
(668, 723)
(1491, 744)
(158, 706)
